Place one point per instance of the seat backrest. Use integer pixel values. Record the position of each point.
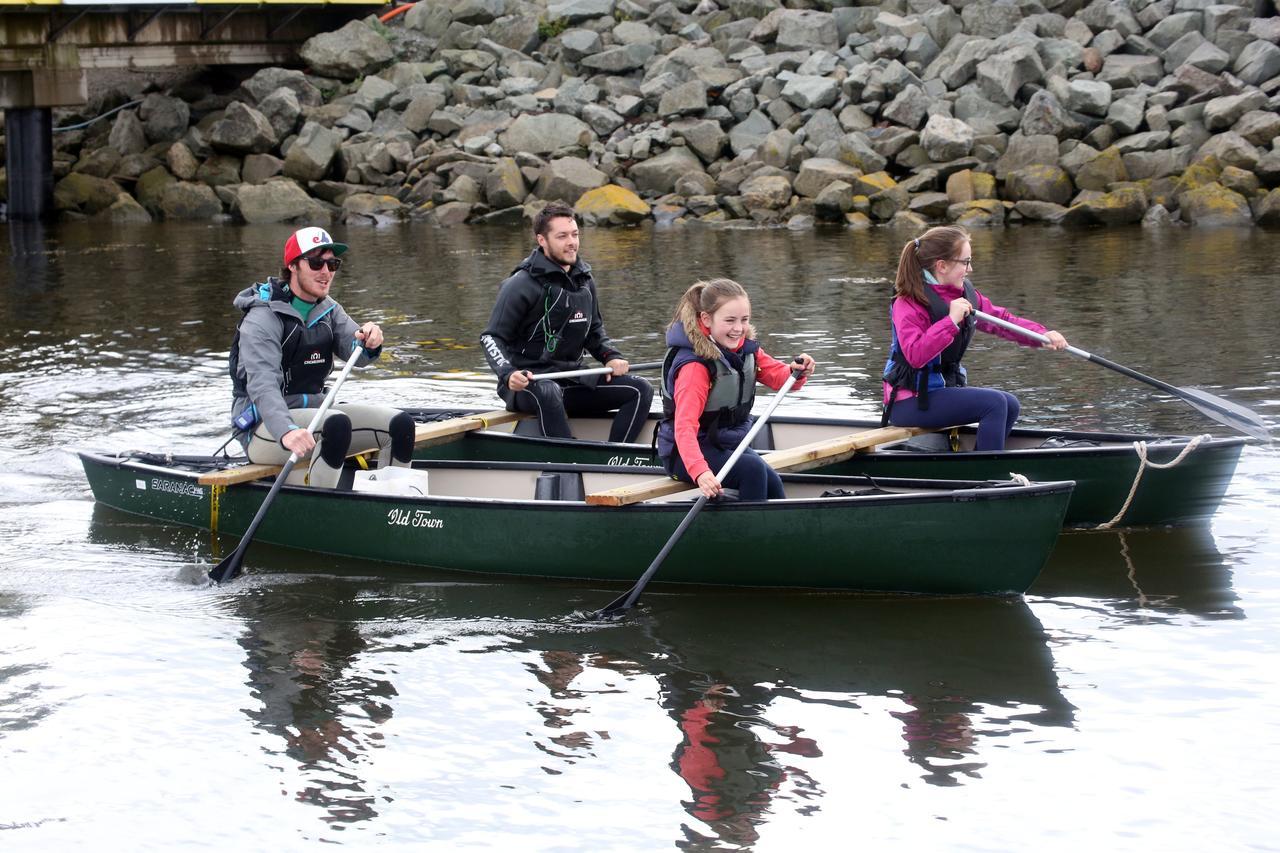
(559, 486)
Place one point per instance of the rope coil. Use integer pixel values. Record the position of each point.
(1140, 447)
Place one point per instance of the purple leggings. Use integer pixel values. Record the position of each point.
(994, 410)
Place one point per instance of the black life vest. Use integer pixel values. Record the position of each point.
(306, 349)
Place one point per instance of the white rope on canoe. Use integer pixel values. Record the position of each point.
(1140, 447)
(1020, 479)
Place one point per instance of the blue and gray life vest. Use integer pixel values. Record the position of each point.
(306, 349)
(943, 370)
(726, 418)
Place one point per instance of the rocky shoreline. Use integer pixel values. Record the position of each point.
(720, 111)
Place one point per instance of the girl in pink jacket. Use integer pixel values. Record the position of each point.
(933, 323)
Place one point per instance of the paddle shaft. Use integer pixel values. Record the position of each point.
(628, 599)
(231, 565)
(1223, 411)
(592, 371)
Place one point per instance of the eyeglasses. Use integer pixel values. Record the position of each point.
(317, 264)
(968, 262)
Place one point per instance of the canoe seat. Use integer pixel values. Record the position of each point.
(559, 486)
(929, 442)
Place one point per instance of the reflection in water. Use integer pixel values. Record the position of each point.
(1147, 575)
(304, 669)
(963, 674)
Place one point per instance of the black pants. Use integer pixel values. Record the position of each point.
(553, 403)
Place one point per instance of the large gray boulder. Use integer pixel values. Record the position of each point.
(186, 200)
(658, 175)
(164, 119)
(750, 132)
(817, 172)
(1002, 75)
(945, 138)
(128, 136)
(282, 110)
(807, 92)
(353, 51)
(575, 11)
(567, 179)
(267, 80)
(312, 153)
(1257, 63)
(242, 130)
(806, 29)
(277, 201)
(545, 133)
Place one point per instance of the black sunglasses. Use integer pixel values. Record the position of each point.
(317, 263)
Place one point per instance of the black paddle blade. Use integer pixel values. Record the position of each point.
(229, 568)
(1227, 413)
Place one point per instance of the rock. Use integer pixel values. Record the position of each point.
(278, 201)
(658, 175)
(685, 99)
(150, 188)
(1257, 63)
(268, 80)
(1124, 206)
(188, 200)
(1091, 97)
(567, 178)
(1221, 113)
(164, 119)
(1124, 70)
(1268, 209)
(127, 134)
(504, 186)
(833, 201)
(1149, 165)
(1041, 211)
(705, 137)
(1038, 183)
(817, 172)
(945, 139)
(545, 133)
(1258, 127)
(769, 192)
(282, 110)
(807, 92)
(259, 167)
(82, 193)
(612, 205)
(967, 185)
(375, 93)
(219, 170)
(575, 11)
(888, 203)
(1156, 216)
(981, 213)
(1025, 151)
(101, 163)
(1214, 204)
(353, 51)
(805, 29)
(376, 208)
(1044, 115)
(750, 132)
(242, 130)
(620, 60)
(124, 211)
(909, 107)
(1102, 171)
(776, 149)
(602, 120)
(1001, 76)
(1239, 181)
(312, 153)
(1230, 149)
(931, 205)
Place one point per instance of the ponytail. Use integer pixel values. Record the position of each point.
(706, 296)
(918, 255)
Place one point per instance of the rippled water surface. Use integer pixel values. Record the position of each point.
(1128, 702)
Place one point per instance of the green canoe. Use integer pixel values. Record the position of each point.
(496, 518)
(1103, 465)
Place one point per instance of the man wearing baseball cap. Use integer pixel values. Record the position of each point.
(283, 352)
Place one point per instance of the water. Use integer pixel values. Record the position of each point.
(1126, 702)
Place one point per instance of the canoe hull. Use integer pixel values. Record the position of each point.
(1103, 466)
(979, 541)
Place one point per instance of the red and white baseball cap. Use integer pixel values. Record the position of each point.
(306, 240)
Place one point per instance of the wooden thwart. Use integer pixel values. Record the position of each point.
(426, 435)
(801, 458)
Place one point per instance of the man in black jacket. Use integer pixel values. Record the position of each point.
(546, 316)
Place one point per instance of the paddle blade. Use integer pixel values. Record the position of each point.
(229, 568)
(1227, 413)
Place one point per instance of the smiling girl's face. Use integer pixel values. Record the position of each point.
(729, 322)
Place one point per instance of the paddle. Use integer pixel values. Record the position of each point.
(625, 601)
(231, 565)
(1223, 411)
(592, 371)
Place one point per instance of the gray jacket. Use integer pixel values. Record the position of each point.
(257, 351)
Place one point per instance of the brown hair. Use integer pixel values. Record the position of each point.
(554, 210)
(937, 244)
(706, 296)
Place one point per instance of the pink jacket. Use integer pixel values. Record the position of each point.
(921, 339)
